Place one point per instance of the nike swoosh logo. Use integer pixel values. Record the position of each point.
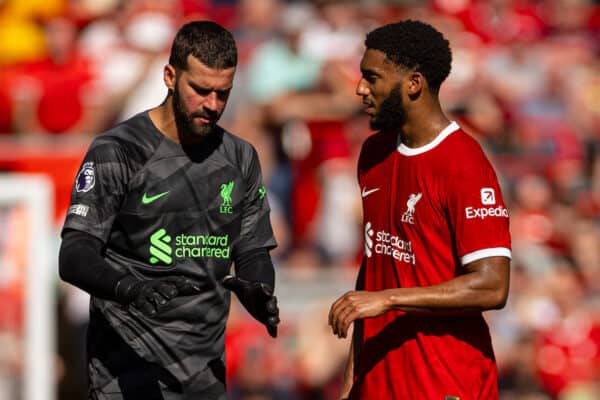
(365, 193)
(148, 200)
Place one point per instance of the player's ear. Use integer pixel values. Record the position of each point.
(169, 75)
(416, 82)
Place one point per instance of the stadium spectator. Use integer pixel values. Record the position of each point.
(129, 47)
(55, 95)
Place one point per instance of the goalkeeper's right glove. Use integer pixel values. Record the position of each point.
(149, 295)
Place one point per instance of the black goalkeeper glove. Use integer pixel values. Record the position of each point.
(149, 295)
(258, 299)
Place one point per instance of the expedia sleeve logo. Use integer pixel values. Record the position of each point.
(484, 212)
(488, 197)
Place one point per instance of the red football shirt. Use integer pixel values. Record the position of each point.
(428, 211)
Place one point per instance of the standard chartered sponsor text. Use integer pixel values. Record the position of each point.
(196, 246)
(392, 245)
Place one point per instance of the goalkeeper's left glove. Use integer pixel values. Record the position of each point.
(258, 299)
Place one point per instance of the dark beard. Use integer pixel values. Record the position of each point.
(186, 129)
(392, 114)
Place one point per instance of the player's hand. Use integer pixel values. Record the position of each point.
(258, 299)
(148, 296)
(356, 305)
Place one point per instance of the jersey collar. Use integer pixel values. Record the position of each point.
(410, 151)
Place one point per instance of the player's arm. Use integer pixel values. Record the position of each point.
(483, 287)
(254, 282)
(348, 378)
(254, 285)
(81, 264)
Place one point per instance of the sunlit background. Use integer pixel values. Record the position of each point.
(525, 82)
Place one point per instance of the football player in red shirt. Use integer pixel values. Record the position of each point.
(437, 244)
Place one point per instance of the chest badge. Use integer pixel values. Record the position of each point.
(226, 189)
(411, 203)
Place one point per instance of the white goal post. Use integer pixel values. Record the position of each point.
(32, 195)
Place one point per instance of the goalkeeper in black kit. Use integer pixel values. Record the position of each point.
(162, 205)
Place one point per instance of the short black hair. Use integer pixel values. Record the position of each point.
(207, 41)
(414, 45)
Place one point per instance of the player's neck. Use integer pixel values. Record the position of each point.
(423, 127)
(163, 118)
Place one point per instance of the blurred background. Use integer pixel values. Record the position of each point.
(525, 82)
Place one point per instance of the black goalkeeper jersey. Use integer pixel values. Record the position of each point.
(162, 209)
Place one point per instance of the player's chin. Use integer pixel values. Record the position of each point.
(202, 130)
(374, 123)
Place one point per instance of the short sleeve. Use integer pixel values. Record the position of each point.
(256, 230)
(477, 212)
(98, 189)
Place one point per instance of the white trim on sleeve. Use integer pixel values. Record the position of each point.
(491, 252)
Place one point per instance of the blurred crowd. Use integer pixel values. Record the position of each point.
(525, 82)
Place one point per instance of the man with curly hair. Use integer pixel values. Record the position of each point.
(437, 244)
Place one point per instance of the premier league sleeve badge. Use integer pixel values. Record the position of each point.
(85, 178)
